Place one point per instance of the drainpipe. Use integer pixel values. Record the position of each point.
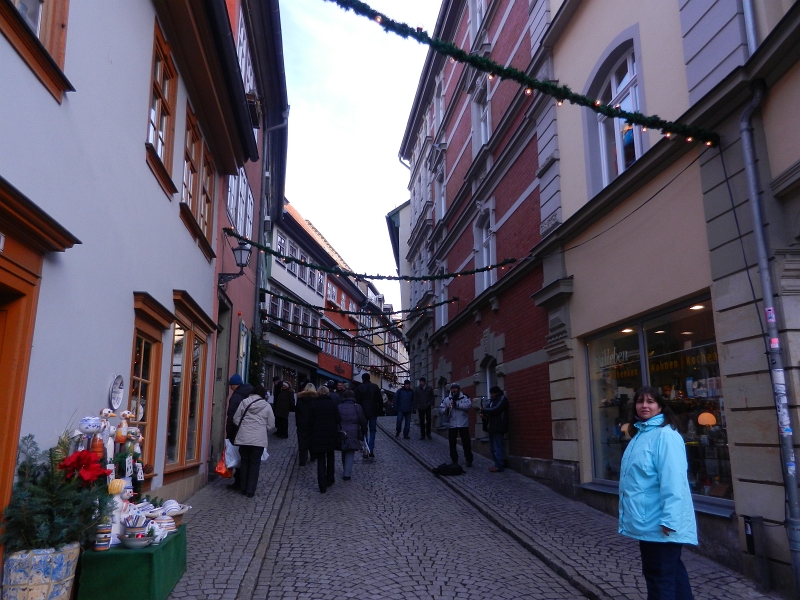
(774, 354)
(750, 26)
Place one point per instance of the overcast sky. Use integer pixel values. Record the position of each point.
(350, 90)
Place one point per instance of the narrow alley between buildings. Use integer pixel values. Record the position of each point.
(397, 531)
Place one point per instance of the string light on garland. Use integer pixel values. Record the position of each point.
(359, 276)
(359, 312)
(549, 88)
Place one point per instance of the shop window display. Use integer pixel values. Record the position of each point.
(677, 354)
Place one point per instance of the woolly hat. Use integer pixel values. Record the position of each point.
(235, 379)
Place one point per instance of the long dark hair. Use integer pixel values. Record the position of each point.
(669, 417)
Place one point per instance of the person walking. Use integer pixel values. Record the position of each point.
(423, 402)
(337, 397)
(354, 424)
(497, 414)
(456, 405)
(283, 405)
(403, 405)
(323, 422)
(302, 409)
(655, 502)
(254, 418)
(241, 390)
(368, 396)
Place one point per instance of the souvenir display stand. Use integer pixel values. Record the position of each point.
(155, 570)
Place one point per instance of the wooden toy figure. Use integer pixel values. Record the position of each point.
(121, 435)
(115, 489)
(107, 432)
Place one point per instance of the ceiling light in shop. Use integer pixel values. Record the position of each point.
(697, 307)
(687, 332)
(627, 331)
(660, 331)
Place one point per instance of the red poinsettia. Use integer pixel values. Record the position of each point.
(85, 464)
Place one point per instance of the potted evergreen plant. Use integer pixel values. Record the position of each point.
(57, 500)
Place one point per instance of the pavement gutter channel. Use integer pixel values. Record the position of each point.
(583, 585)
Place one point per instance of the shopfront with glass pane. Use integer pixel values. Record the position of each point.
(676, 352)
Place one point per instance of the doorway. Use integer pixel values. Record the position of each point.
(220, 404)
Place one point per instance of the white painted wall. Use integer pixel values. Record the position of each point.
(83, 162)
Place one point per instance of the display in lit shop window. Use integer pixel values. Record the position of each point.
(677, 354)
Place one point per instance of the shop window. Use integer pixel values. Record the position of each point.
(677, 354)
(187, 385)
(151, 320)
(37, 30)
(161, 123)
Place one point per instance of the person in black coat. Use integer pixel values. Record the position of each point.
(241, 390)
(423, 401)
(337, 397)
(304, 400)
(368, 396)
(323, 422)
(497, 413)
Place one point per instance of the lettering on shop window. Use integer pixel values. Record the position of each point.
(681, 362)
(611, 357)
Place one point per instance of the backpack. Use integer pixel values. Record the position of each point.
(447, 469)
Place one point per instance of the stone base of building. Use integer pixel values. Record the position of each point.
(182, 489)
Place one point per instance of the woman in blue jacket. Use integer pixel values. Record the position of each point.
(655, 503)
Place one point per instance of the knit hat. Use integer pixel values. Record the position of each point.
(235, 379)
(455, 386)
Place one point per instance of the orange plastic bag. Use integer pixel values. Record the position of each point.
(221, 469)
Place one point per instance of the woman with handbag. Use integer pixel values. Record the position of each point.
(354, 426)
(254, 418)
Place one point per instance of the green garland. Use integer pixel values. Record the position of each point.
(339, 271)
(561, 93)
(358, 312)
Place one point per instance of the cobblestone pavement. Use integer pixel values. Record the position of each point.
(396, 531)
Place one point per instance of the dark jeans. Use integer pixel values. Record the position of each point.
(425, 422)
(282, 426)
(664, 572)
(452, 435)
(325, 469)
(249, 467)
(498, 445)
(373, 427)
(403, 418)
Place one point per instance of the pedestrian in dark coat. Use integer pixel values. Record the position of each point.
(497, 413)
(403, 405)
(302, 409)
(423, 402)
(283, 405)
(354, 424)
(368, 396)
(337, 397)
(241, 390)
(323, 421)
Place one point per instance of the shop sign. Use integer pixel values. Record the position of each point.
(684, 361)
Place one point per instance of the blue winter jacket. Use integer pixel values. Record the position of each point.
(654, 488)
(404, 400)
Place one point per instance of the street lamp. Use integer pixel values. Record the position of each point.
(241, 254)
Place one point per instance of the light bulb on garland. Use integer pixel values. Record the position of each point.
(597, 102)
(689, 139)
(528, 91)
(379, 19)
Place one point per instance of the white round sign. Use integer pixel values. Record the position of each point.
(116, 392)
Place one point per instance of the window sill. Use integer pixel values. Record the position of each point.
(31, 50)
(702, 504)
(160, 171)
(197, 232)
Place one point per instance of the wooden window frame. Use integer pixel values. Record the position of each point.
(43, 54)
(198, 186)
(197, 327)
(161, 166)
(151, 320)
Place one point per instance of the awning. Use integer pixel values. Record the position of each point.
(329, 375)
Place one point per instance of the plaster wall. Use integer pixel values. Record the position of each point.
(651, 257)
(83, 162)
(662, 86)
(781, 125)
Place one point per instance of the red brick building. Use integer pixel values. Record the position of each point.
(473, 148)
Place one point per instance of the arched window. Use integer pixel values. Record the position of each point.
(620, 142)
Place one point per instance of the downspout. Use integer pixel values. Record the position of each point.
(750, 26)
(775, 357)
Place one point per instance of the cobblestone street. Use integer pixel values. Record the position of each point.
(396, 531)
